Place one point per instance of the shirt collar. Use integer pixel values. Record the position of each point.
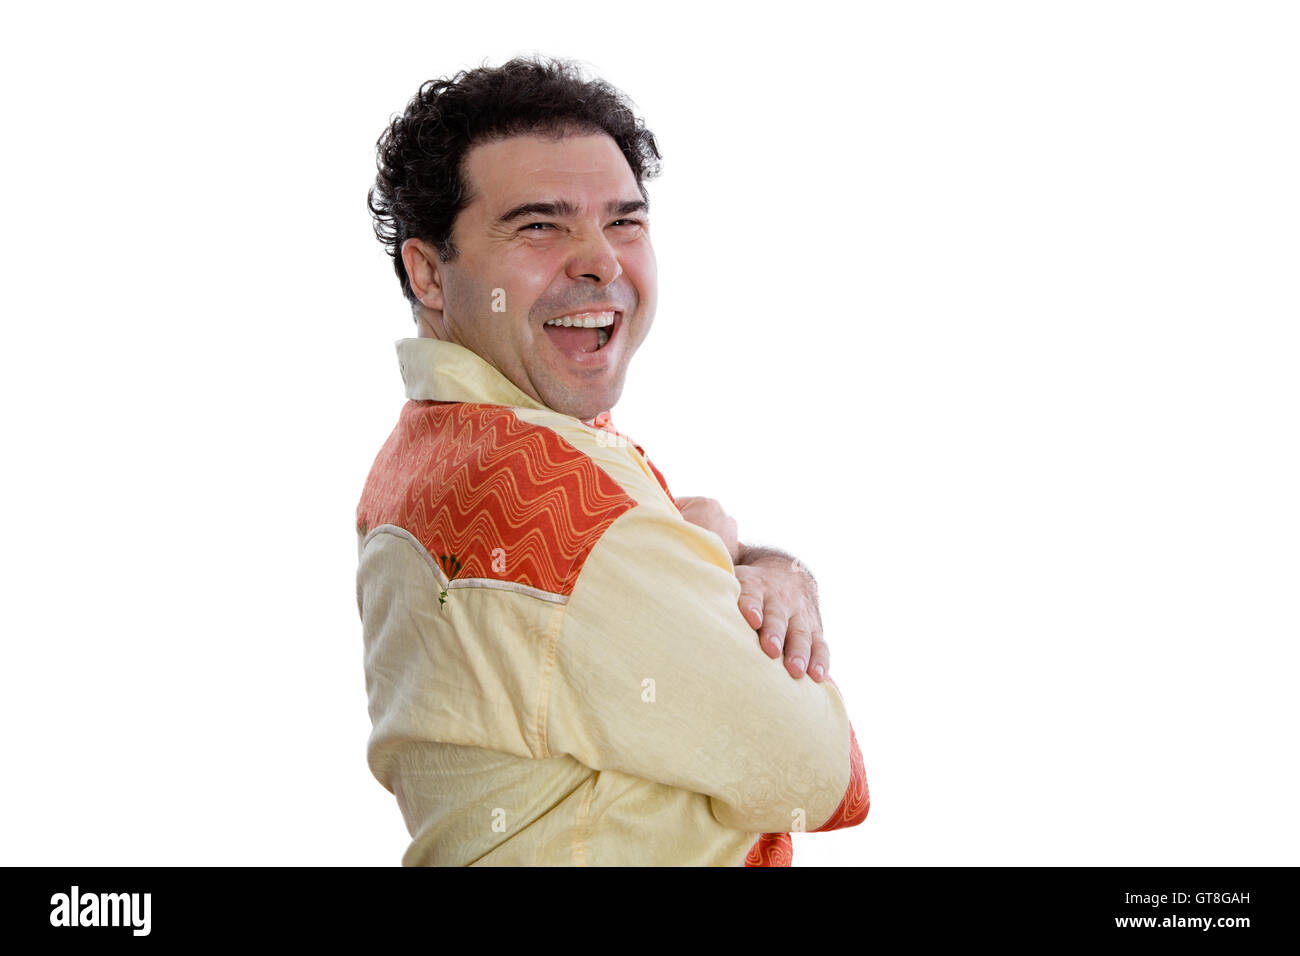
(439, 371)
(446, 372)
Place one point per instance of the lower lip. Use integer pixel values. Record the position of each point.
(596, 359)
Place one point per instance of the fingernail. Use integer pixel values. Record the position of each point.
(797, 662)
(818, 671)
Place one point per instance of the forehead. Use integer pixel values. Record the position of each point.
(587, 168)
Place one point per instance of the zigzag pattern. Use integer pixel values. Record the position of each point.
(776, 849)
(662, 484)
(857, 798)
(605, 423)
(771, 849)
(512, 501)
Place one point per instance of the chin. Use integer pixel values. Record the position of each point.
(585, 407)
(587, 412)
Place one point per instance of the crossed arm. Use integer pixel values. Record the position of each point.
(656, 613)
(778, 595)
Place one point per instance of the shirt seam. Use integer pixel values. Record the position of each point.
(454, 583)
(542, 705)
(543, 702)
(584, 820)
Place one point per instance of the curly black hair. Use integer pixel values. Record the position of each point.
(421, 187)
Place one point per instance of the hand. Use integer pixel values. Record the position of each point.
(778, 597)
(707, 513)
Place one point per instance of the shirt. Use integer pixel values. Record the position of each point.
(556, 666)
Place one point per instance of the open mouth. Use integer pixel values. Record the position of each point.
(583, 333)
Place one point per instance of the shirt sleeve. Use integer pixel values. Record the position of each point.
(657, 674)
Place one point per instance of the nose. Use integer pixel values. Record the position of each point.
(595, 259)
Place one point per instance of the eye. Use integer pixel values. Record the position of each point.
(539, 226)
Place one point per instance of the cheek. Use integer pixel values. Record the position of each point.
(644, 271)
(467, 297)
(525, 277)
(644, 276)
(507, 284)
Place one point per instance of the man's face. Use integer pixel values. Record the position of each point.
(555, 228)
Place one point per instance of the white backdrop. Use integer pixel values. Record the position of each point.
(987, 311)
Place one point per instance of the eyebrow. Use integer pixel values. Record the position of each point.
(562, 208)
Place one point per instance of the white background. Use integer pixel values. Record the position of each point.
(987, 311)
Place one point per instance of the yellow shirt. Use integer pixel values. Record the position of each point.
(557, 669)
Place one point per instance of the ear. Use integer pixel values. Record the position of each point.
(424, 271)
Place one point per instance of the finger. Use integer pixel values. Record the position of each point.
(751, 596)
(772, 636)
(798, 646)
(819, 662)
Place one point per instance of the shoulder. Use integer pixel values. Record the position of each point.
(495, 501)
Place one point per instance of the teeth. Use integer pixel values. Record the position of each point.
(585, 320)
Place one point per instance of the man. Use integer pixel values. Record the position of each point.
(561, 667)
